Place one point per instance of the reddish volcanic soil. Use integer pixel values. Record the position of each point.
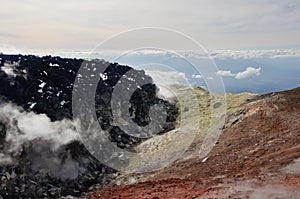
(255, 157)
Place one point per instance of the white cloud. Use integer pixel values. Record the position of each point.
(167, 77)
(246, 74)
(9, 49)
(210, 54)
(164, 80)
(225, 73)
(249, 54)
(197, 76)
(243, 54)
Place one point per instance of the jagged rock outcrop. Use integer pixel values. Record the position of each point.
(44, 85)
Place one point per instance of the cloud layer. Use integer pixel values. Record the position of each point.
(216, 24)
(244, 54)
(209, 54)
(246, 74)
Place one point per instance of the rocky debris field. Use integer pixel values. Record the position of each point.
(256, 156)
(41, 155)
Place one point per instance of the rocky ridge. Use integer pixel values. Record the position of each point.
(41, 155)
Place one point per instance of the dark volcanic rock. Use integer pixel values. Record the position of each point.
(2, 135)
(44, 85)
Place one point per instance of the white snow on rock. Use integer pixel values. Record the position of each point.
(42, 85)
(53, 65)
(130, 79)
(32, 105)
(59, 92)
(103, 76)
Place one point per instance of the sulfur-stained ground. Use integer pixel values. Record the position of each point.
(256, 156)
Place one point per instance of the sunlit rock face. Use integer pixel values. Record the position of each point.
(41, 154)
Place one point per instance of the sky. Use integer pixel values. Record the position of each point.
(254, 45)
(215, 24)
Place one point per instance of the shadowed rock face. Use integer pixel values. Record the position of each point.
(44, 85)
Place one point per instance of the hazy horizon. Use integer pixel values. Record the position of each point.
(255, 45)
(233, 24)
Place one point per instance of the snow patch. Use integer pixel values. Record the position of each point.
(32, 105)
(103, 76)
(58, 93)
(53, 65)
(42, 85)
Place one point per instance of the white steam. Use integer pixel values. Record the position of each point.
(47, 141)
(293, 168)
(27, 126)
(10, 69)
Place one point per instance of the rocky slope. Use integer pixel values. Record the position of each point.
(256, 156)
(41, 155)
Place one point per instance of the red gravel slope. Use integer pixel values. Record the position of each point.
(256, 157)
